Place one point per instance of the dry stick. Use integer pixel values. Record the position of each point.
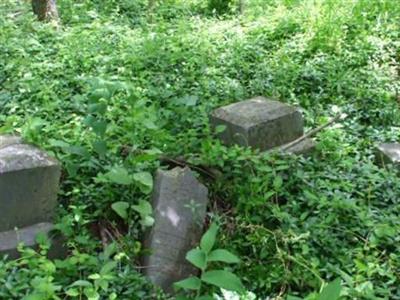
(312, 132)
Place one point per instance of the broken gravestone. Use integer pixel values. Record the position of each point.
(262, 124)
(388, 154)
(29, 181)
(179, 203)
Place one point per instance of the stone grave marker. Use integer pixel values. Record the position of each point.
(179, 202)
(29, 181)
(388, 153)
(259, 123)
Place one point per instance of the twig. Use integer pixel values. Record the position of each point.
(183, 163)
(312, 132)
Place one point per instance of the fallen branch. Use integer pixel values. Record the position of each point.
(312, 132)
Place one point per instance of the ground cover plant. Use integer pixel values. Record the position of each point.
(116, 88)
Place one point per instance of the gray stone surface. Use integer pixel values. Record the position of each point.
(9, 240)
(179, 203)
(388, 154)
(259, 123)
(305, 147)
(29, 181)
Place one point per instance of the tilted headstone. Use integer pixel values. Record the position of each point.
(29, 180)
(259, 123)
(179, 202)
(388, 154)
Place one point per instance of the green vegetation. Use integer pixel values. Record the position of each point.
(116, 87)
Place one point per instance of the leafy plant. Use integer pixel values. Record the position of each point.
(201, 258)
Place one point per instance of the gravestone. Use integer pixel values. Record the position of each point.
(179, 202)
(388, 153)
(260, 123)
(29, 181)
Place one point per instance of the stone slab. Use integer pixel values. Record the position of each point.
(388, 153)
(305, 147)
(179, 202)
(9, 240)
(259, 123)
(29, 180)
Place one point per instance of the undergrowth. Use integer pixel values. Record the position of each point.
(115, 88)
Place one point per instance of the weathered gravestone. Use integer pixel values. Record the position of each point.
(179, 203)
(388, 154)
(29, 181)
(259, 123)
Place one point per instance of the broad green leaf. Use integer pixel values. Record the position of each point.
(78, 150)
(99, 108)
(58, 143)
(100, 147)
(100, 93)
(197, 257)
(331, 291)
(144, 178)
(119, 175)
(223, 255)
(191, 283)
(144, 208)
(223, 279)
(208, 239)
(91, 293)
(121, 208)
(108, 267)
(99, 127)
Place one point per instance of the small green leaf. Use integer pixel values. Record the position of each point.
(331, 291)
(208, 239)
(197, 257)
(223, 279)
(191, 283)
(121, 208)
(144, 208)
(220, 128)
(119, 175)
(81, 283)
(147, 221)
(72, 292)
(224, 256)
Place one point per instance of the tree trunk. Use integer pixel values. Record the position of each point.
(241, 7)
(46, 10)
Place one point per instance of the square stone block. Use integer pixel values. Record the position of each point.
(29, 180)
(388, 153)
(260, 123)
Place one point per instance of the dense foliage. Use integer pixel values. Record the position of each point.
(116, 87)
